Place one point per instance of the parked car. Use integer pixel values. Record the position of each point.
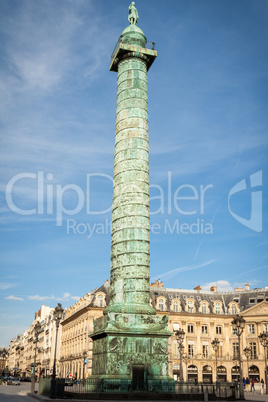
(13, 381)
(26, 379)
(4, 379)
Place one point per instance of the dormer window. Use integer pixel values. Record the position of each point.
(204, 308)
(190, 306)
(100, 300)
(218, 308)
(233, 309)
(161, 304)
(175, 306)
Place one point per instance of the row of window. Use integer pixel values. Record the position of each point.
(252, 329)
(203, 307)
(206, 347)
(218, 329)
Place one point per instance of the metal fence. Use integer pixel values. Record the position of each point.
(116, 386)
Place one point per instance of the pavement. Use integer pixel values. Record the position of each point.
(249, 396)
(22, 394)
(255, 396)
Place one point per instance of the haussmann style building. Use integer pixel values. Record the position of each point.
(203, 315)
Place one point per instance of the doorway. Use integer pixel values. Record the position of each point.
(138, 374)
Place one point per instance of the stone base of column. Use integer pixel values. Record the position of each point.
(130, 351)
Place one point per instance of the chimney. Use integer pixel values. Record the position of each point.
(157, 284)
(213, 289)
(198, 287)
(246, 286)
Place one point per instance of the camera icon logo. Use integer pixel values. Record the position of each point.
(255, 220)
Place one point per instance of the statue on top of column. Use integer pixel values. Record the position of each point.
(133, 15)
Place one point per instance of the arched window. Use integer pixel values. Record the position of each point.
(204, 308)
(233, 309)
(218, 308)
(175, 306)
(222, 373)
(192, 373)
(161, 304)
(100, 300)
(207, 374)
(254, 373)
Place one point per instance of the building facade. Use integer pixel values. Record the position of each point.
(203, 315)
(23, 348)
(3, 360)
(77, 347)
(206, 315)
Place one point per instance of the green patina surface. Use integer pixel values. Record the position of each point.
(130, 334)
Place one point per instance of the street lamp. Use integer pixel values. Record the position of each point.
(37, 328)
(264, 342)
(247, 353)
(216, 345)
(179, 337)
(58, 314)
(238, 324)
(71, 367)
(84, 363)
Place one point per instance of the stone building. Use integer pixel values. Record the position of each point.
(13, 358)
(22, 348)
(3, 360)
(204, 315)
(76, 347)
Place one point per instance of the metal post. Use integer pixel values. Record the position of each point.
(33, 373)
(265, 369)
(215, 345)
(241, 385)
(181, 369)
(247, 352)
(84, 364)
(58, 313)
(264, 342)
(179, 336)
(37, 328)
(238, 324)
(216, 368)
(186, 359)
(53, 379)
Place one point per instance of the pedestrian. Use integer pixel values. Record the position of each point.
(252, 382)
(244, 382)
(247, 384)
(262, 386)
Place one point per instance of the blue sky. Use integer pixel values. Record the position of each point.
(208, 133)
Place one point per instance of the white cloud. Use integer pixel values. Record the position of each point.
(222, 285)
(11, 297)
(64, 297)
(6, 285)
(37, 297)
(173, 272)
(75, 297)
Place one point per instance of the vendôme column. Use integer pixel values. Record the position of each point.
(130, 341)
(130, 247)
